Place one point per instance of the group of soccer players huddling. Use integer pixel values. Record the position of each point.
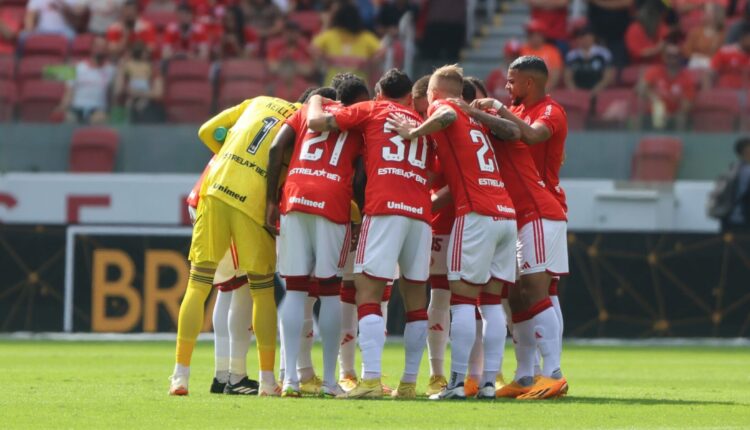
(458, 191)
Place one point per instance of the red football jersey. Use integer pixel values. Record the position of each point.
(549, 155)
(470, 167)
(194, 196)
(442, 220)
(186, 40)
(530, 196)
(731, 64)
(396, 170)
(321, 170)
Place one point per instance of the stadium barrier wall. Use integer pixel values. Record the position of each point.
(131, 279)
(176, 149)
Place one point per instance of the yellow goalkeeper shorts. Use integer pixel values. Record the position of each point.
(217, 225)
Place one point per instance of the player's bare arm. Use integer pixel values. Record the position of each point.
(530, 134)
(284, 141)
(317, 119)
(441, 119)
(502, 128)
(441, 199)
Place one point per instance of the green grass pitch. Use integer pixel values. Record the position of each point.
(124, 385)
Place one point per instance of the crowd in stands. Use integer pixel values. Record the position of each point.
(94, 61)
(642, 63)
(620, 63)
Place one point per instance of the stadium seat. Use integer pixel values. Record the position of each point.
(577, 105)
(81, 47)
(7, 68)
(657, 158)
(32, 68)
(715, 110)
(188, 70)
(160, 19)
(7, 100)
(46, 45)
(188, 101)
(309, 21)
(290, 91)
(629, 76)
(93, 149)
(21, 3)
(235, 92)
(243, 70)
(38, 100)
(615, 107)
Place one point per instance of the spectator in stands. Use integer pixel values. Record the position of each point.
(53, 16)
(390, 14)
(730, 65)
(668, 89)
(130, 29)
(588, 66)
(9, 29)
(536, 45)
(139, 86)
(735, 30)
(186, 38)
(235, 38)
(609, 19)
(102, 14)
(739, 216)
(263, 16)
(445, 30)
(346, 45)
(705, 40)
(86, 99)
(644, 38)
(291, 57)
(497, 78)
(553, 14)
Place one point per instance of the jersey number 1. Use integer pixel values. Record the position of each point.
(268, 124)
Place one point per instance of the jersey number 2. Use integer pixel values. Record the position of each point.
(268, 124)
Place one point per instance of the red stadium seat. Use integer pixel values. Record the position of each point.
(7, 68)
(14, 12)
(291, 91)
(577, 105)
(93, 149)
(21, 3)
(657, 159)
(715, 110)
(188, 70)
(189, 101)
(243, 70)
(160, 19)
(38, 100)
(31, 68)
(81, 46)
(46, 45)
(7, 100)
(630, 75)
(615, 107)
(309, 21)
(235, 92)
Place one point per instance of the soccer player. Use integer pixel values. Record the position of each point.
(483, 239)
(395, 230)
(315, 228)
(232, 209)
(543, 254)
(231, 316)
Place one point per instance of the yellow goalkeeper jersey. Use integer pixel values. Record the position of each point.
(238, 174)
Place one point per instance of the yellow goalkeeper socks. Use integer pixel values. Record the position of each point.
(264, 322)
(190, 320)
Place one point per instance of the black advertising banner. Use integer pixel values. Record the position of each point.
(131, 280)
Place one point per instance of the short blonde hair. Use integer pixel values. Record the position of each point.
(449, 77)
